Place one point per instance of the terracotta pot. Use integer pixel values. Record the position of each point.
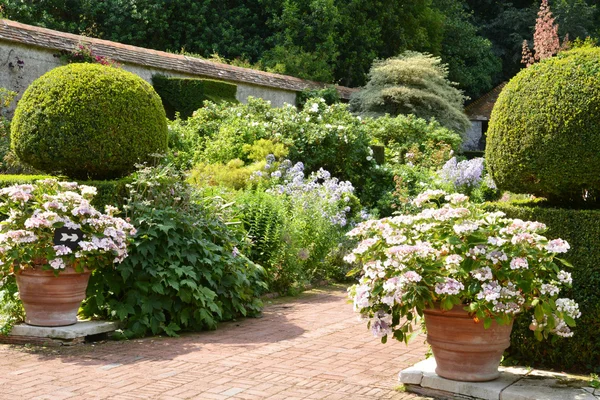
(51, 300)
(463, 349)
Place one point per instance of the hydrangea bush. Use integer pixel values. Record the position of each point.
(35, 211)
(453, 253)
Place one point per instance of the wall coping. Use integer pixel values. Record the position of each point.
(50, 39)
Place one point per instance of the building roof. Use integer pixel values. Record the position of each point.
(55, 40)
(481, 109)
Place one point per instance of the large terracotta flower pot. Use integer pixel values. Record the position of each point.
(51, 300)
(463, 349)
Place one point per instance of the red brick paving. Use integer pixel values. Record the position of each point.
(311, 347)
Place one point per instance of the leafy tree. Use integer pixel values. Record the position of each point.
(471, 61)
(304, 42)
(381, 29)
(412, 83)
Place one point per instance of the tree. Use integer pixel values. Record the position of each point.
(469, 56)
(304, 43)
(412, 83)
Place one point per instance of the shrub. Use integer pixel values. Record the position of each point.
(88, 121)
(320, 136)
(185, 95)
(581, 230)
(184, 271)
(412, 83)
(297, 225)
(544, 134)
(329, 94)
(113, 193)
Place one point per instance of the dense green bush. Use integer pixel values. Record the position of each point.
(88, 121)
(184, 271)
(329, 94)
(186, 95)
(113, 193)
(544, 133)
(581, 229)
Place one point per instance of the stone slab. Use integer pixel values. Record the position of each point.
(80, 330)
(544, 385)
(514, 383)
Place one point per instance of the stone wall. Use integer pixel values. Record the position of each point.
(27, 52)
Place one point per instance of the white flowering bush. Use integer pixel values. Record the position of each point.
(33, 213)
(454, 253)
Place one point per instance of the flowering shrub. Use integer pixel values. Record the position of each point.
(34, 213)
(454, 253)
(469, 177)
(464, 173)
(297, 224)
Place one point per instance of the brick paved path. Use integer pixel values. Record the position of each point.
(311, 347)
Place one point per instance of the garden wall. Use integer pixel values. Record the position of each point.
(27, 52)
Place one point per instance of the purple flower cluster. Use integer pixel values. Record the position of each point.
(320, 188)
(464, 173)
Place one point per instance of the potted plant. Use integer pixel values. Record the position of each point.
(51, 238)
(468, 272)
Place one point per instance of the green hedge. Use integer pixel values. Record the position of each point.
(88, 121)
(109, 192)
(544, 132)
(185, 95)
(581, 228)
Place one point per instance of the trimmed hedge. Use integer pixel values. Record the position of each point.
(88, 121)
(581, 228)
(544, 132)
(109, 192)
(185, 95)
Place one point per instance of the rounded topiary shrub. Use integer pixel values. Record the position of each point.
(88, 121)
(544, 133)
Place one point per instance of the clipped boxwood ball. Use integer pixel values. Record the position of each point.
(88, 121)
(544, 133)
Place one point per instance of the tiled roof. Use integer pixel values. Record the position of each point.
(481, 109)
(55, 40)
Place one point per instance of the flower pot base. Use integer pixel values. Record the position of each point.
(463, 349)
(51, 300)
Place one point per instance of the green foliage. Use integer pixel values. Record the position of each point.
(9, 163)
(233, 175)
(544, 137)
(404, 131)
(11, 308)
(320, 136)
(113, 193)
(330, 95)
(9, 180)
(293, 236)
(88, 121)
(581, 229)
(184, 95)
(183, 272)
(469, 56)
(412, 83)
(507, 24)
